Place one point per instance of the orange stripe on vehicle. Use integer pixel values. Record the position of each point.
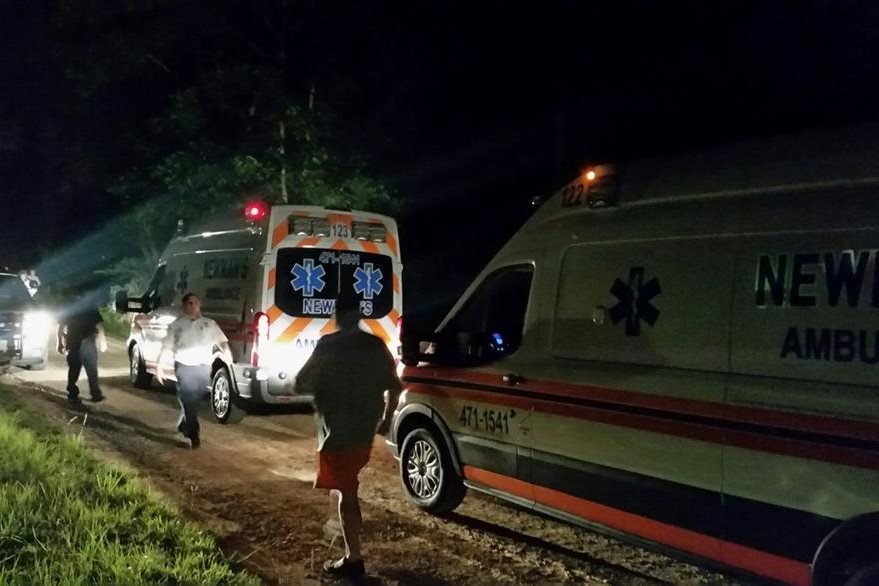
(394, 316)
(396, 283)
(294, 329)
(272, 275)
(280, 232)
(339, 245)
(392, 244)
(705, 546)
(330, 326)
(340, 219)
(377, 330)
(369, 247)
(274, 312)
(839, 426)
(716, 432)
(309, 241)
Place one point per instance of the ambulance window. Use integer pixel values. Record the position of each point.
(310, 279)
(495, 313)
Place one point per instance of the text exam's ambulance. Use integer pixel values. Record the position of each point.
(269, 277)
(683, 351)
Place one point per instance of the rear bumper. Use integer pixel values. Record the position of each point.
(264, 387)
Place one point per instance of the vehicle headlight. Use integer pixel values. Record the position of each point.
(37, 325)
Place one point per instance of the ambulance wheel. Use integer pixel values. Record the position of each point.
(223, 401)
(137, 371)
(428, 476)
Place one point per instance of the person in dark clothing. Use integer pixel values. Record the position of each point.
(80, 336)
(353, 379)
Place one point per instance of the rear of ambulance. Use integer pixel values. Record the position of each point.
(312, 254)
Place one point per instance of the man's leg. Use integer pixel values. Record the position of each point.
(352, 523)
(332, 529)
(74, 367)
(190, 387)
(89, 358)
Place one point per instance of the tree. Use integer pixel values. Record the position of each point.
(232, 124)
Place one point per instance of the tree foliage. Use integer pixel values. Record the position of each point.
(225, 118)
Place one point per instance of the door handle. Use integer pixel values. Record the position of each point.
(511, 378)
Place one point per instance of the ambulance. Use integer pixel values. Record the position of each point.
(269, 276)
(682, 352)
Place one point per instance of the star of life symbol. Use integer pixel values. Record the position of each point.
(307, 277)
(369, 281)
(182, 280)
(634, 301)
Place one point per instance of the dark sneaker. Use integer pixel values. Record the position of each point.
(344, 568)
(74, 401)
(97, 398)
(195, 442)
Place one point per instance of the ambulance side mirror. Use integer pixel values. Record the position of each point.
(414, 348)
(121, 302)
(125, 304)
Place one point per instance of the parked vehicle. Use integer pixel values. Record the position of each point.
(682, 351)
(269, 277)
(25, 328)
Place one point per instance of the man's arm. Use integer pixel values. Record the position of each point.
(59, 338)
(306, 378)
(101, 338)
(168, 345)
(392, 394)
(222, 342)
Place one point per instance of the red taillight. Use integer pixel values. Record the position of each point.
(260, 336)
(255, 210)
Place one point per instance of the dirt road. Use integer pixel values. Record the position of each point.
(250, 484)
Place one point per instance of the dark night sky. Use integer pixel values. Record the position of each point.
(470, 111)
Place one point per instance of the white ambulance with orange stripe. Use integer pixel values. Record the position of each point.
(682, 351)
(269, 277)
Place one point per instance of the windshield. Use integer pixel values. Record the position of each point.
(309, 279)
(13, 293)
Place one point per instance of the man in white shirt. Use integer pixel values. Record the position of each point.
(191, 340)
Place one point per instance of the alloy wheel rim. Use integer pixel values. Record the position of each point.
(221, 396)
(423, 470)
(134, 364)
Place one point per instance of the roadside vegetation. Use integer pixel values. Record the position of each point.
(115, 325)
(67, 518)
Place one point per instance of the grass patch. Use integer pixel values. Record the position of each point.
(117, 325)
(67, 518)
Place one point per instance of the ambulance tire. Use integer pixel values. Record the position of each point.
(225, 404)
(138, 374)
(428, 475)
(867, 576)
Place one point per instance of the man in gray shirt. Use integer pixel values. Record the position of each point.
(348, 375)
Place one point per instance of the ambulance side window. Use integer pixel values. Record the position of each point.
(491, 324)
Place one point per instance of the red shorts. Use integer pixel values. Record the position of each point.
(339, 470)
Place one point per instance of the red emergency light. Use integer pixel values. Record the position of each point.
(255, 210)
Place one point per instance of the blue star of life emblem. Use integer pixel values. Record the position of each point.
(182, 280)
(369, 281)
(634, 301)
(307, 277)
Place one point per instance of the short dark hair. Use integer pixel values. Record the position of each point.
(347, 310)
(188, 296)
